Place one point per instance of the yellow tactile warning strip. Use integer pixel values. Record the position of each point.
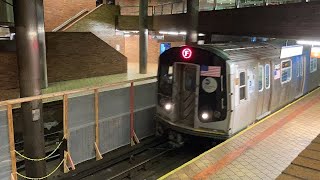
(263, 150)
(306, 165)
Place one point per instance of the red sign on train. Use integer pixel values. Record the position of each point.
(186, 53)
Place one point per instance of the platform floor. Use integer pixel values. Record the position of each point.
(306, 165)
(132, 74)
(262, 151)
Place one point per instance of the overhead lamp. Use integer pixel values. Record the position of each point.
(313, 43)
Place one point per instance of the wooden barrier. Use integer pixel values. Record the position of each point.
(96, 112)
(68, 162)
(11, 143)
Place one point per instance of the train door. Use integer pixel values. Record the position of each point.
(264, 84)
(186, 92)
(300, 76)
(260, 90)
(267, 89)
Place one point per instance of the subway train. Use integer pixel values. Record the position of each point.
(217, 90)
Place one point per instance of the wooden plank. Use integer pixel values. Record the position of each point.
(308, 163)
(132, 113)
(310, 154)
(65, 163)
(316, 140)
(314, 146)
(98, 154)
(65, 118)
(70, 161)
(302, 172)
(11, 142)
(62, 93)
(96, 108)
(286, 177)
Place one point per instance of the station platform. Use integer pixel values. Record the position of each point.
(306, 165)
(132, 74)
(263, 150)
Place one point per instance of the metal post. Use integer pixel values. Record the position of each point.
(192, 14)
(172, 8)
(143, 33)
(25, 13)
(238, 4)
(42, 44)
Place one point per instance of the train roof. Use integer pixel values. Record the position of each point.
(243, 51)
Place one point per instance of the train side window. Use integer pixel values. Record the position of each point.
(267, 76)
(301, 67)
(313, 64)
(298, 68)
(242, 86)
(286, 71)
(260, 78)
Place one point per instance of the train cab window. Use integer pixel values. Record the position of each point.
(261, 70)
(313, 64)
(242, 86)
(267, 76)
(189, 80)
(165, 80)
(286, 71)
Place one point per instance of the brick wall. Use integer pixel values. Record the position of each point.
(81, 55)
(101, 22)
(69, 56)
(8, 70)
(58, 11)
(132, 49)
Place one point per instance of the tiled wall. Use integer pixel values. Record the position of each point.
(58, 11)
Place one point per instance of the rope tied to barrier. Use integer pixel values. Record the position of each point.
(25, 177)
(41, 159)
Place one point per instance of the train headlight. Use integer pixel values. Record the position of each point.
(168, 106)
(205, 116)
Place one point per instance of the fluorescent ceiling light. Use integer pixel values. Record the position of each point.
(302, 42)
(175, 33)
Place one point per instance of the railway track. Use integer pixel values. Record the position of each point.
(149, 162)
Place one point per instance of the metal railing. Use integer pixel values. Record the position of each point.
(181, 7)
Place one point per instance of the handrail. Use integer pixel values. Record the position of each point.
(67, 22)
(218, 5)
(69, 92)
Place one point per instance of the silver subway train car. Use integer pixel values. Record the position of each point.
(217, 90)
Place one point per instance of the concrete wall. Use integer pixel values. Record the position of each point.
(58, 11)
(6, 12)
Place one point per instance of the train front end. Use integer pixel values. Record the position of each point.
(192, 92)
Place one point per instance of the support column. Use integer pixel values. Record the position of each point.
(25, 13)
(143, 36)
(42, 44)
(192, 15)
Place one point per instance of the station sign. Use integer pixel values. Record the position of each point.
(290, 51)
